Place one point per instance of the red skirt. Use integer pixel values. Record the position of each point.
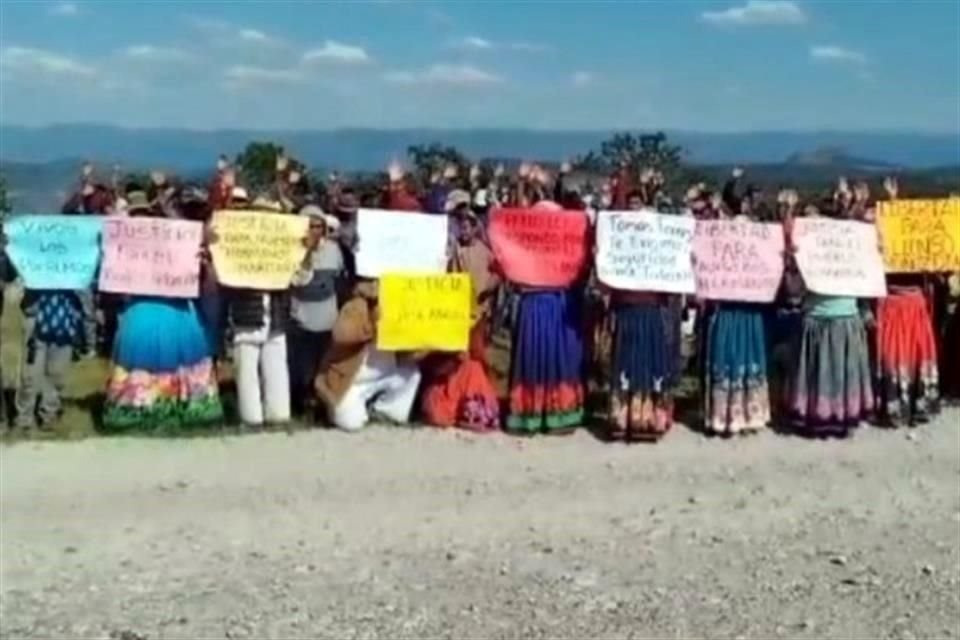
(907, 355)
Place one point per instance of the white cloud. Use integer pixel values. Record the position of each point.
(477, 43)
(833, 53)
(582, 78)
(41, 62)
(337, 52)
(244, 76)
(758, 12)
(473, 43)
(445, 75)
(151, 53)
(253, 35)
(64, 9)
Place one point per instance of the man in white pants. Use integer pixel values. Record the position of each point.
(386, 386)
(260, 356)
(355, 376)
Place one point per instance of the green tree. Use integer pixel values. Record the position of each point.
(639, 152)
(433, 158)
(257, 165)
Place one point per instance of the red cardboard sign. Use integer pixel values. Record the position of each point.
(540, 247)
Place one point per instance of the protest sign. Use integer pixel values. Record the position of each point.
(540, 247)
(54, 251)
(424, 312)
(839, 257)
(645, 251)
(920, 235)
(390, 241)
(738, 260)
(151, 256)
(257, 250)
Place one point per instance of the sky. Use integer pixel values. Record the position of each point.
(738, 65)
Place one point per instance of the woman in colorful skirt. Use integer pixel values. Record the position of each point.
(831, 391)
(163, 377)
(643, 377)
(906, 357)
(457, 390)
(546, 370)
(737, 397)
(907, 367)
(736, 391)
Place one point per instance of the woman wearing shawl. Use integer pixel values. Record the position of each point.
(906, 346)
(830, 390)
(163, 376)
(457, 388)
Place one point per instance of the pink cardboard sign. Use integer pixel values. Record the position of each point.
(151, 256)
(738, 260)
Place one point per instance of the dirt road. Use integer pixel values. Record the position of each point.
(406, 533)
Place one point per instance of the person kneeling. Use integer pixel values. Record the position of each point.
(356, 377)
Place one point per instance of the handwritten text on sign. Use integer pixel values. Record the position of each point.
(645, 251)
(257, 250)
(738, 260)
(540, 248)
(839, 257)
(151, 256)
(921, 235)
(424, 312)
(54, 252)
(400, 242)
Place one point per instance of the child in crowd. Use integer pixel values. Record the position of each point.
(53, 330)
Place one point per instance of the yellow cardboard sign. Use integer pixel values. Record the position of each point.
(424, 312)
(920, 235)
(257, 249)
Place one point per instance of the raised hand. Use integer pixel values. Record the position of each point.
(892, 187)
(395, 171)
(737, 172)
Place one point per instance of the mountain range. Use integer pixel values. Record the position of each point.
(370, 149)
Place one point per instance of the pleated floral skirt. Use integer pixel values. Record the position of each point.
(737, 395)
(831, 390)
(907, 358)
(546, 369)
(163, 375)
(644, 373)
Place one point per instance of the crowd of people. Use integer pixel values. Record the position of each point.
(820, 365)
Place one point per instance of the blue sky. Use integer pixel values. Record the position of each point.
(735, 65)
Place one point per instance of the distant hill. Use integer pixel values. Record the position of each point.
(369, 149)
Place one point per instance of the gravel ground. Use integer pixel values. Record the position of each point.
(421, 533)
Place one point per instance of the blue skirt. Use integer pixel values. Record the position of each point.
(645, 344)
(546, 372)
(737, 395)
(163, 375)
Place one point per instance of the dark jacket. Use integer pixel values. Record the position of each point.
(246, 309)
